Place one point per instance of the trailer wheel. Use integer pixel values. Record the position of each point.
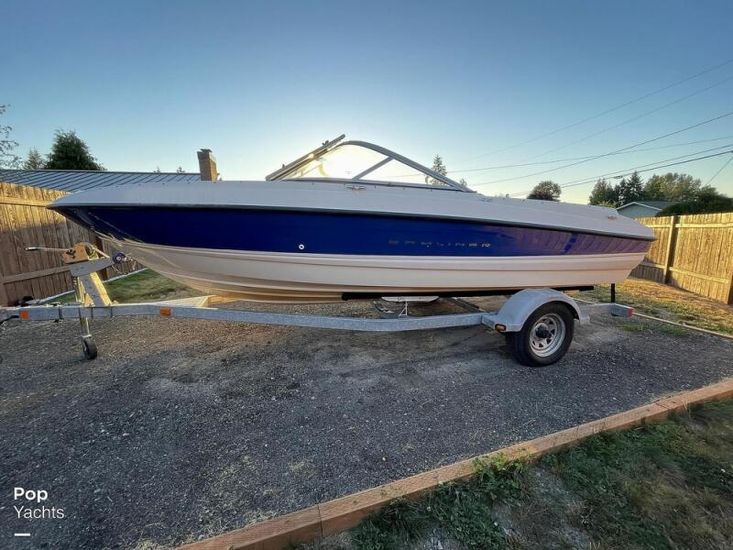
(545, 336)
(89, 347)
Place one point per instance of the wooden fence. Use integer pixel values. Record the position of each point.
(25, 221)
(694, 253)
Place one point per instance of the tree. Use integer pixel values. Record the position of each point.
(672, 187)
(707, 201)
(545, 191)
(654, 189)
(8, 158)
(630, 190)
(440, 168)
(180, 170)
(34, 161)
(69, 152)
(603, 194)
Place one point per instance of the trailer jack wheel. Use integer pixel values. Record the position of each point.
(89, 347)
(545, 336)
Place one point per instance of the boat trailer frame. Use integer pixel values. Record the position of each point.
(92, 302)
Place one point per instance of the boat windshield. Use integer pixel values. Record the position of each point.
(361, 161)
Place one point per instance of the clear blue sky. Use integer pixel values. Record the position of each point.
(148, 83)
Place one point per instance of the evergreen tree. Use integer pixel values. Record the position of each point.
(69, 152)
(440, 168)
(8, 159)
(34, 161)
(545, 191)
(603, 194)
(630, 190)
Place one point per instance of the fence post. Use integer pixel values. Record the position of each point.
(3, 293)
(669, 257)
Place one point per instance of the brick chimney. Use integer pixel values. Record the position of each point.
(207, 165)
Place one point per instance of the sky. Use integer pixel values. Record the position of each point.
(483, 84)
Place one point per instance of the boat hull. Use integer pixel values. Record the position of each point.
(320, 241)
(295, 277)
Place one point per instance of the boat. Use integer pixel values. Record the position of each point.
(352, 219)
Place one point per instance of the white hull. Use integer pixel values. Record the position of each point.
(298, 277)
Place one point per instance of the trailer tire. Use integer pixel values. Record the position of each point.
(545, 336)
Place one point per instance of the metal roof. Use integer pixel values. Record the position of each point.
(78, 180)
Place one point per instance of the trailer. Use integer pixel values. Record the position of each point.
(538, 323)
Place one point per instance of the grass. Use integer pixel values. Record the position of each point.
(668, 303)
(145, 286)
(667, 485)
(141, 287)
(462, 510)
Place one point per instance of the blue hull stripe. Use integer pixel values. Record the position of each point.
(337, 233)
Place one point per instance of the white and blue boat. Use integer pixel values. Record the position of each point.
(354, 220)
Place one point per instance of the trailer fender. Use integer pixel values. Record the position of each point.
(517, 309)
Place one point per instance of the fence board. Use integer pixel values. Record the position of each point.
(25, 221)
(693, 252)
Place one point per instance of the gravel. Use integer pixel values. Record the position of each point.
(183, 429)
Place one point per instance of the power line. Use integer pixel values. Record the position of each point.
(607, 111)
(540, 162)
(724, 115)
(726, 163)
(730, 151)
(639, 168)
(634, 118)
(631, 171)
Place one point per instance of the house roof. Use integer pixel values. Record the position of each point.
(656, 205)
(78, 180)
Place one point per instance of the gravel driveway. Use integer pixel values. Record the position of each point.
(183, 429)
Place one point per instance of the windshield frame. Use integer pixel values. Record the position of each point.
(283, 173)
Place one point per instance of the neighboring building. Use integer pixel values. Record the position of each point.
(643, 209)
(70, 181)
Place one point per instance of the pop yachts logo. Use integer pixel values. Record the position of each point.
(36, 510)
